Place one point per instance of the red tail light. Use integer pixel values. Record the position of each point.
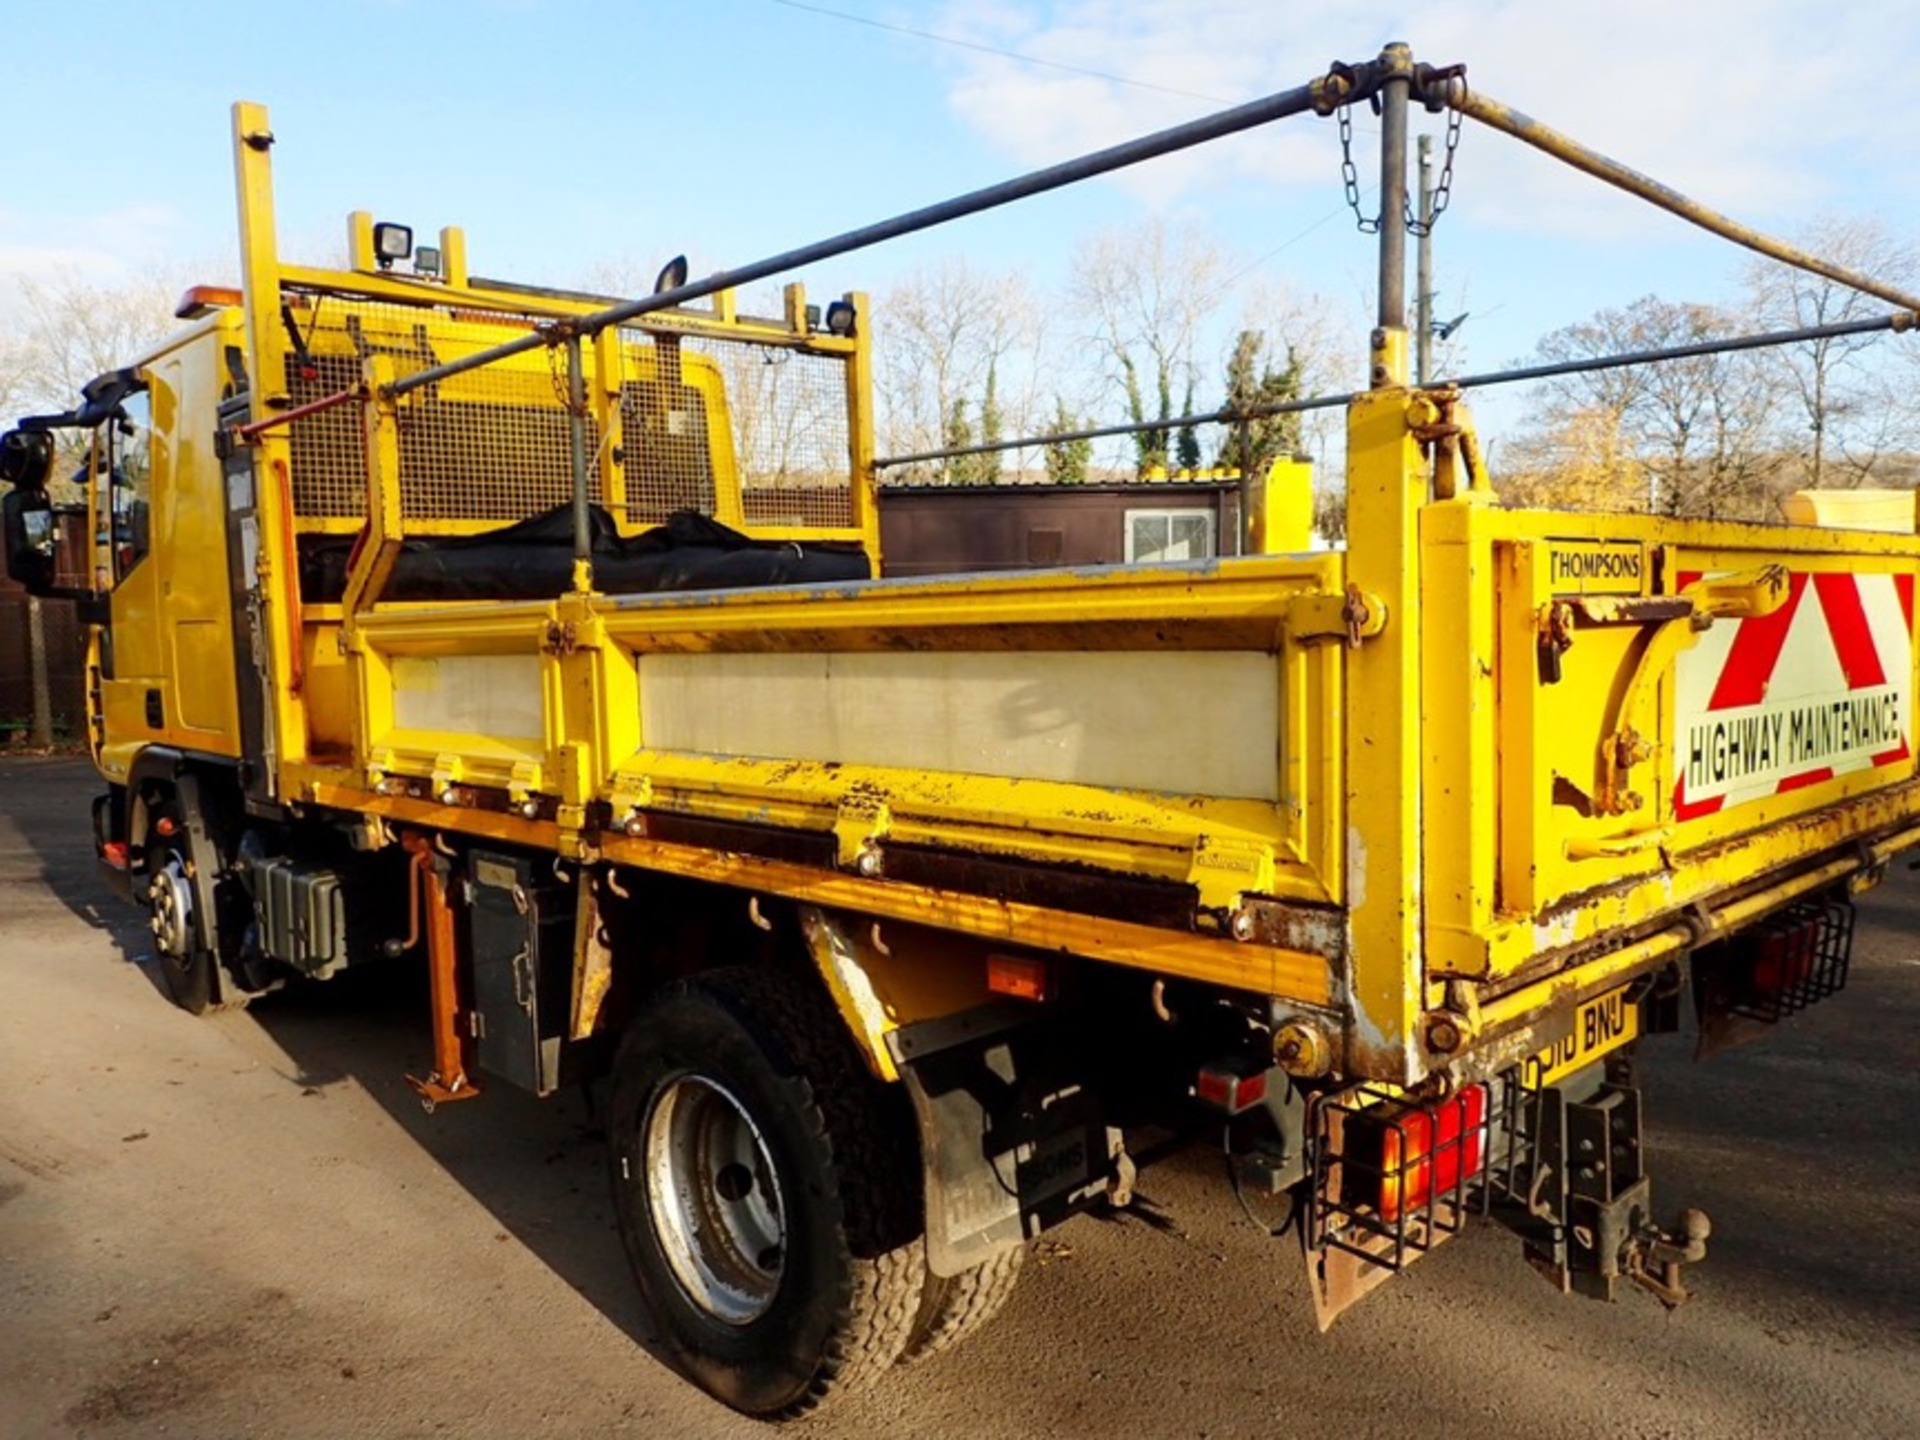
(1786, 959)
(1431, 1150)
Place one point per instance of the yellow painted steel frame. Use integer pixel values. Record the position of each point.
(1386, 488)
(275, 572)
(584, 740)
(1503, 832)
(1457, 830)
(290, 637)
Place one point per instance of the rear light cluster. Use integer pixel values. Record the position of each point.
(1227, 1089)
(1753, 979)
(1799, 956)
(1393, 1176)
(1432, 1150)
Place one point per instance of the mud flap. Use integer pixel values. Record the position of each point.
(1011, 1141)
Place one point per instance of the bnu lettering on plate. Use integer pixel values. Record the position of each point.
(1600, 1025)
(1596, 569)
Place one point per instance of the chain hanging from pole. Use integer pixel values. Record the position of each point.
(1350, 178)
(1443, 191)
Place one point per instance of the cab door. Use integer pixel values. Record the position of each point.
(167, 671)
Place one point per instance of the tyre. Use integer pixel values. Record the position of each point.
(768, 1192)
(953, 1307)
(181, 958)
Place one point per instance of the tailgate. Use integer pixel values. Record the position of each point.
(1641, 717)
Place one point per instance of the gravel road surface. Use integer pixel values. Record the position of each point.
(245, 1226)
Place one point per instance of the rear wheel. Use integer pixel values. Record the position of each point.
(953, 1307)
(767, 1190)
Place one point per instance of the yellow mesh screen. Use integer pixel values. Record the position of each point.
(493, 445)
(666, 447)
(488, 445)
(789, 421)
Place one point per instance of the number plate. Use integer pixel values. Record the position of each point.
(1602, 1024)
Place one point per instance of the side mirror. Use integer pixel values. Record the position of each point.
(31, 535)
(26, 459)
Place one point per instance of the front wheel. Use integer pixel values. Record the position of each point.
(180, 957)
(767, 1189)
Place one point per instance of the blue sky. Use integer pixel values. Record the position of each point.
(570, 137)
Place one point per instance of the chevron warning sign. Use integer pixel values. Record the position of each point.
(1820, 688)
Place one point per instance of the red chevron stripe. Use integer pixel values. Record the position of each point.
(1893, 756)
(1685, 809)
(1756, 648)
(1804, 779)
(1852, 636)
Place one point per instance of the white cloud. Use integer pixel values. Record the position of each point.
(1766, 109)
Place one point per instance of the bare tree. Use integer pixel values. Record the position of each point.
(948, 345)
(75, 328)
(1580, 460)
(1698, 430)
(1854, 415)
(1145, 296)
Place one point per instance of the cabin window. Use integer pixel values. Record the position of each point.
(126, 442)
(1169, 535)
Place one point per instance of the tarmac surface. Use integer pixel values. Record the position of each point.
(245, 1225)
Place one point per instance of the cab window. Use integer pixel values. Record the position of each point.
(126, 441)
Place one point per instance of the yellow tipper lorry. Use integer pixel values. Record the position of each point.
(536, 640)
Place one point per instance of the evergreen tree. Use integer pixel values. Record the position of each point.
(983, 468)
(959, 435)
(1067, 460)
(1188, 448)
(1150, 443)
(1253, 444)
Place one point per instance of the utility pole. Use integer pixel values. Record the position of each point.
(1423, 285)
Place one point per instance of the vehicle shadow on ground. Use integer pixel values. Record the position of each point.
(49, 799)
(1819, 1107)
(537, 1166)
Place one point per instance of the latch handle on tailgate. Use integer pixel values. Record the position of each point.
(1678, 619)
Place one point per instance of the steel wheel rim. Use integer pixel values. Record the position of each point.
(714, 1198)
(172, 903)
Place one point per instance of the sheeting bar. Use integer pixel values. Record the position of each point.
(1525, 128)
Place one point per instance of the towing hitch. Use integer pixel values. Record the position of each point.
(1582, 1203)
(1655, 1257)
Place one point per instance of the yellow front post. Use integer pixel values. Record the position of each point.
(286, 720)
(1386, 486)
